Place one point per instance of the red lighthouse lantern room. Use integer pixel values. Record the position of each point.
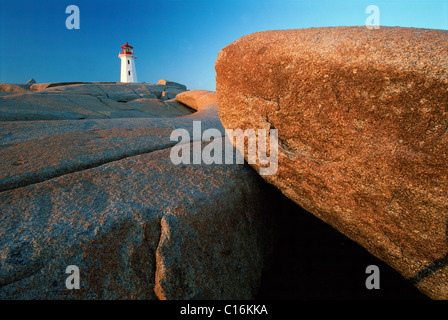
(127, 49)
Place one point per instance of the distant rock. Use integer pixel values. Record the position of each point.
(362, 118)
(65, 101)
(38, 86)
(197, 99)
(170, 89)
(172, 84)
(10, 87)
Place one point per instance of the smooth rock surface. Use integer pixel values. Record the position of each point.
(362, 119)
(34, 151)
(68, 101)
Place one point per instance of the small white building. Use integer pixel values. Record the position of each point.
(128, 71)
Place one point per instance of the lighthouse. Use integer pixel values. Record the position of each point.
(128, 72)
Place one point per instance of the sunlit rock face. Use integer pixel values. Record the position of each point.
(362, 118)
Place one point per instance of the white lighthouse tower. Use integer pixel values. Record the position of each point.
(128, 71)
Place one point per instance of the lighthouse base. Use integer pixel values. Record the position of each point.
(128, 71)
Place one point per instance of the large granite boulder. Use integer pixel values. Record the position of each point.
(362, 118)
(105, 196)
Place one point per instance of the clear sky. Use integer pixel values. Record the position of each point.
(176, 40)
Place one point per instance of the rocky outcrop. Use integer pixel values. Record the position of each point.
(362, 118)
(104, 195)
(72, 100)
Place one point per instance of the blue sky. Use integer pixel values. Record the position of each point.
(176, 40)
